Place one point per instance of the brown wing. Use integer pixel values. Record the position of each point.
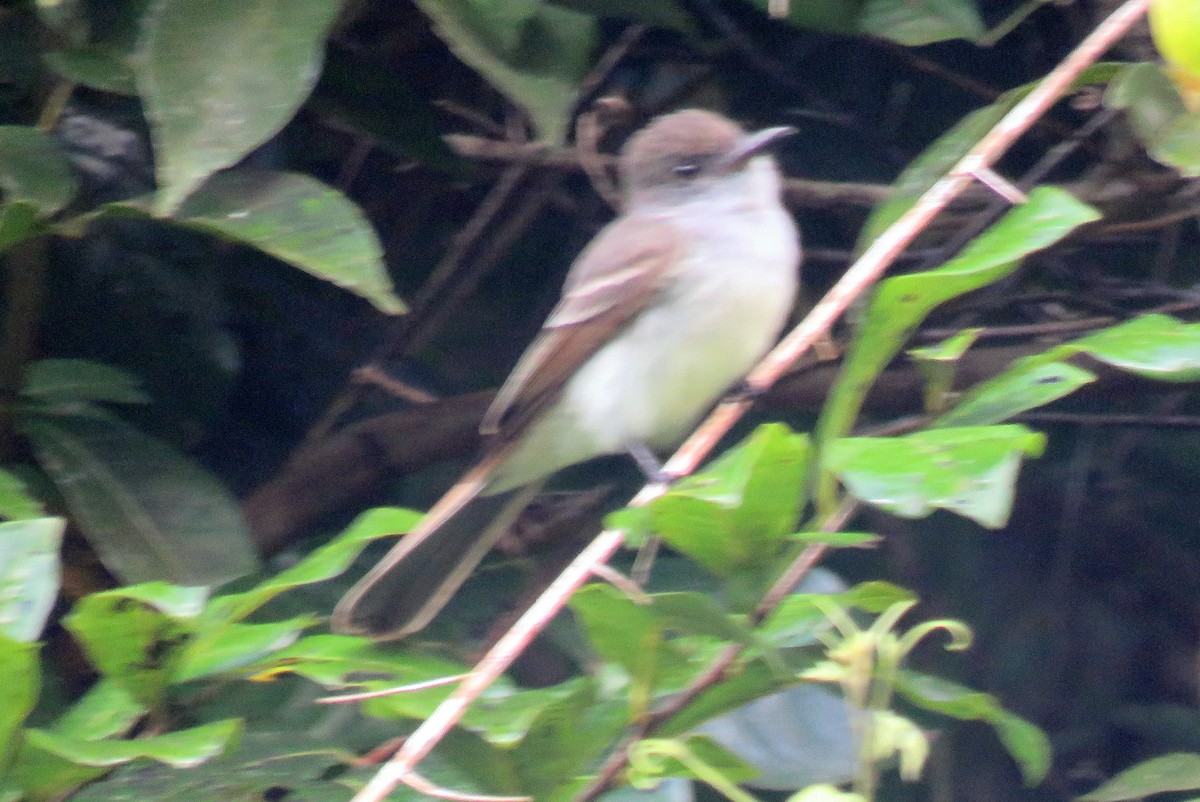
(611, 282)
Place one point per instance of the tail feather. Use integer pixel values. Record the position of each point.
(414, 580)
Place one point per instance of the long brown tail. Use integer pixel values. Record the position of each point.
(414, 580)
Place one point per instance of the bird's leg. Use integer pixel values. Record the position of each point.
(647, 462)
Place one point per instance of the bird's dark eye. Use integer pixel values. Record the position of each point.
(686, 169)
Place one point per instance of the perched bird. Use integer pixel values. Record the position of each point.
(669, 305)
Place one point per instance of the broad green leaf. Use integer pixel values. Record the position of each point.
(558, 744)
(751, 681)
(735, 513)
(149, 511)
(1153, 346)
(136, 636)
(533, 52)
(51, 764)
(1028, 745)
(33, 170)
(628, 634)
(19, 691)
(923, 22)
(969, 471)
(1175, 772)
(18, 220)
(229, 647)
(105, 710)
(1028, 384)
(220, 78)
(57, 381)
(29, 575)
(96, 66)
(299, 220)
(16, 502)
(794, 738)
(1161, 120)
(324, 562)
(900, 304)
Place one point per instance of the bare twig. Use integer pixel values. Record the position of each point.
(859, 277)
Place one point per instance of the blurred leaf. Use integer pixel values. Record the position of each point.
(299, 220)
(1175, 772)
(50, 764)
(57, 381)
(16, 502)
(937, 365)
(222, 77)
(149, 511)
(559, 744)
(105, 710)
(921, 22)
(899, 304)
(735, 513)
(18, 220)
(970, 471)
(628, 634)
(794, 738)
(533, 52)
(1161, 120)
(694, 756)
(29, 575)
(291, 766)
(33, 170)
(1153, 346)
(229, 647)
(839, 540)
(136, 636)
(96, 66)
(800, 618)
(19, 691)
(324, 562)
(937, 159)
(1175, 25)
(1027, 744)
(753, 680)
(1029, 383)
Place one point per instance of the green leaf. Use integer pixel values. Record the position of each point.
(937, 364)
(19, 691)
(900, 304)
(558, 744)
(1152, 346)
(105, 710)
(800, 618)
(923, 22)
(299, 220)
(324, 562)
(753, 680)
(18, 220)
(149, 511)
(839, 540)
(58, 381)
(16, 502)
(628, 634)
(51, 764)
(97, 66)
(229, 647)
(29, 575)
(1175, 772)
(33, 170)
(220, 78)
(136, 636)
(736, 512)
(696, 757)
(1029, 383)
(1027, 744)
(533, 52)
(970, 471)
(1170, 133)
